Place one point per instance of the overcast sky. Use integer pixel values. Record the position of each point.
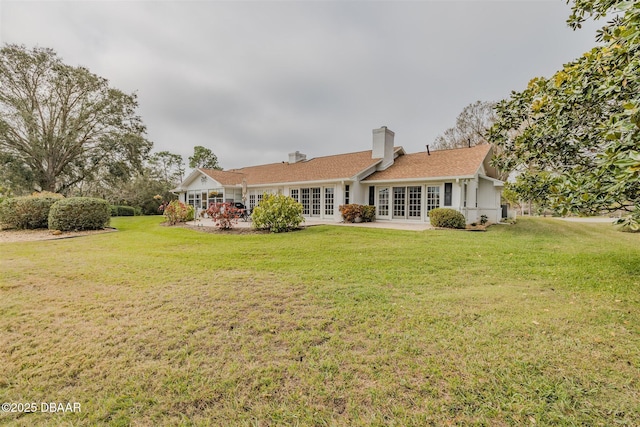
(256, 80)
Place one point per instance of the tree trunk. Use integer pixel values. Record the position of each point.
(48, 183)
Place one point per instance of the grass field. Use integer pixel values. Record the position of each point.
(531, 324)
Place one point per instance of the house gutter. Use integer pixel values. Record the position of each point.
(404, 180)
(289, 184)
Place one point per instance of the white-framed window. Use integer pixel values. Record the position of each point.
(315, 201)
(399, 202)
(197, 199)
(305, 201)
(252, 201)
(328, 201)
(383, 201)
(414, 204)
(213, 196)
(295, 194)
(433, 198)
(346, 194)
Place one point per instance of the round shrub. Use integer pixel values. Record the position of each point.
(28, 212)
(368, 213)
(191, 213)
(79, 213)
(446, 218)
(277, 213)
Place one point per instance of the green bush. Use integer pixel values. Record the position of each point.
(123, 211)
(277, 213)
(368, 213)
(150, 207)
(79, 213)
(191, 213)
(446, 218)
(27, 212)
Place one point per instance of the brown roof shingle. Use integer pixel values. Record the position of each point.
(441, 163)
(341, 166)
(224, 177)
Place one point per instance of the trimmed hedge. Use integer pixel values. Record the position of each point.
(79, 213)
(447, 218)
(28, 212)
(123, 211)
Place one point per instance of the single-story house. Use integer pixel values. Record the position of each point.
(403, 187)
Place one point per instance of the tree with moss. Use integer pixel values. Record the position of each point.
(61, 125)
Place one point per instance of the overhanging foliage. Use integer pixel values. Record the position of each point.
(582, 125)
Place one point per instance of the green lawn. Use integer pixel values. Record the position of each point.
(534, 323)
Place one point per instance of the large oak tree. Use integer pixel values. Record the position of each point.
(63, 125)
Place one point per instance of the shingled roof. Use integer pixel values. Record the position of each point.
(224, 177)
(341, 166)
(457, 162)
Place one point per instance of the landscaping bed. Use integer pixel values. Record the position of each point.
(8, 236)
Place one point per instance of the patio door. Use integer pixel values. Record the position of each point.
(315, 201)
(304, 200)
(406, 202)
(311, 201)
(399, 202)
(383, 202)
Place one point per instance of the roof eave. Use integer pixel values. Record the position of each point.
(293, 183)
(188, 180)
(423, 178)
(358, 175)
(496, 182)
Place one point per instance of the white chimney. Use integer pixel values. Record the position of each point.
(383, 146)
(297, 157)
